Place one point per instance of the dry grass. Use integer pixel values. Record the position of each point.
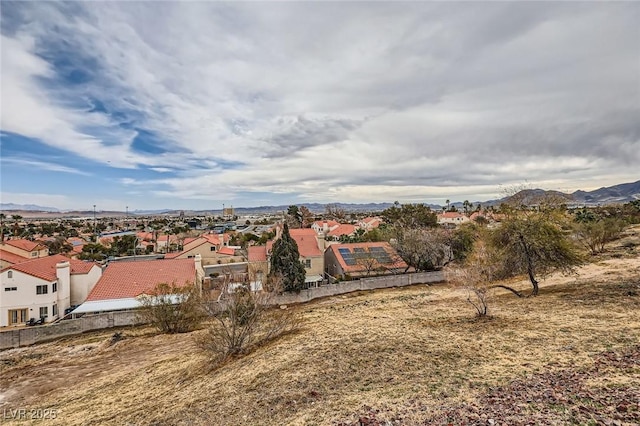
(407, 352)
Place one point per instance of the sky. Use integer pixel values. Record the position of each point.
(192, 105)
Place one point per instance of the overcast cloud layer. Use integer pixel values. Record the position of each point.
(268, 103)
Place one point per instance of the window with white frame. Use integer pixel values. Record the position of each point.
(42, 289)
(9, 274)
(44, 311)
(54, 287)
(10, 288)
(54, 310)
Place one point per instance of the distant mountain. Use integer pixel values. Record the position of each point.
(622, 193)
(617, 194)
(27, 207)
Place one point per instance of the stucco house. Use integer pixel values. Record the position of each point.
(212, 248)
(324, 226)
(362, 259)
(44, 287)
(25, 248)
(452, 218)
(369, 223)
(8, 258)
(123, 282)
(311, 249)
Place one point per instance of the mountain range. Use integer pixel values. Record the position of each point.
(622, 193)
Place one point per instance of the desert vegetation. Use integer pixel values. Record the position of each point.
(405, 356)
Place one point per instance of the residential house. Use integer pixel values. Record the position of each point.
(324, 226)
(25, 248)
(343, 230)
(369, 223)
(122, 283)
(452, 219)
(310, 247)
(362, 259)
(8, 258)
(44, 287)
(213, 249)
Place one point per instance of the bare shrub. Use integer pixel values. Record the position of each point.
(595, 234)
(477, 276)
(244, 320)
(172, 308)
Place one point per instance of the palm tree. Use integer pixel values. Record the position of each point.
(2, 218)
(16, 224)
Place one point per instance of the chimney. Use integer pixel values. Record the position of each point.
(199, 271)
(63, 275)
(320, 239)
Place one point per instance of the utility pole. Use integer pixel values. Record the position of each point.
(95, 235)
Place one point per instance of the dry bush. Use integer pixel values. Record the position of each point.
(172, 308)
(477, 276)
(243, 321)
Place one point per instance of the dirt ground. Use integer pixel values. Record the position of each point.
(414, 355)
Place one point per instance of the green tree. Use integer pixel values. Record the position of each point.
(285, 262)
(58, 245)
(595, 234)
(410, 216)
(93, 251)
(532, 243)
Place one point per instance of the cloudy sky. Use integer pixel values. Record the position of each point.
(196, 104)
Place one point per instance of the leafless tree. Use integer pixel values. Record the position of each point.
(244, 320)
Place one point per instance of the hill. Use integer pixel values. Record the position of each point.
(405, 356)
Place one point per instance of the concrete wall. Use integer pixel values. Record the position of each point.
(358, 285)
(30, 335)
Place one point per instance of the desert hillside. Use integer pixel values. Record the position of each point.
(402, 356)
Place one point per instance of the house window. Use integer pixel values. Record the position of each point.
(34, 254)
(54, 287)
(10, 288)
(54, 310)
(42, 289)
(17, 316)
(212, 248)
(44, 311)
(9, 274)
(307, 263)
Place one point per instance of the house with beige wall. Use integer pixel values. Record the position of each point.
(310, 246)
(25, 248)
(212, 248)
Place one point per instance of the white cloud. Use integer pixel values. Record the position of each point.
(368, 102)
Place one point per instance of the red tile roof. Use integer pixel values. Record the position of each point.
(257, 253)
(450, 215)
(330, 223)
(307, 241)
(45, 267)
(81, 266)
(227, 250)
(130, 279)
(396, 263)
(343, 229)
(25, 244)
(13, 258)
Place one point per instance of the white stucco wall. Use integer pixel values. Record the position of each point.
(82, 284)
(25, 296)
